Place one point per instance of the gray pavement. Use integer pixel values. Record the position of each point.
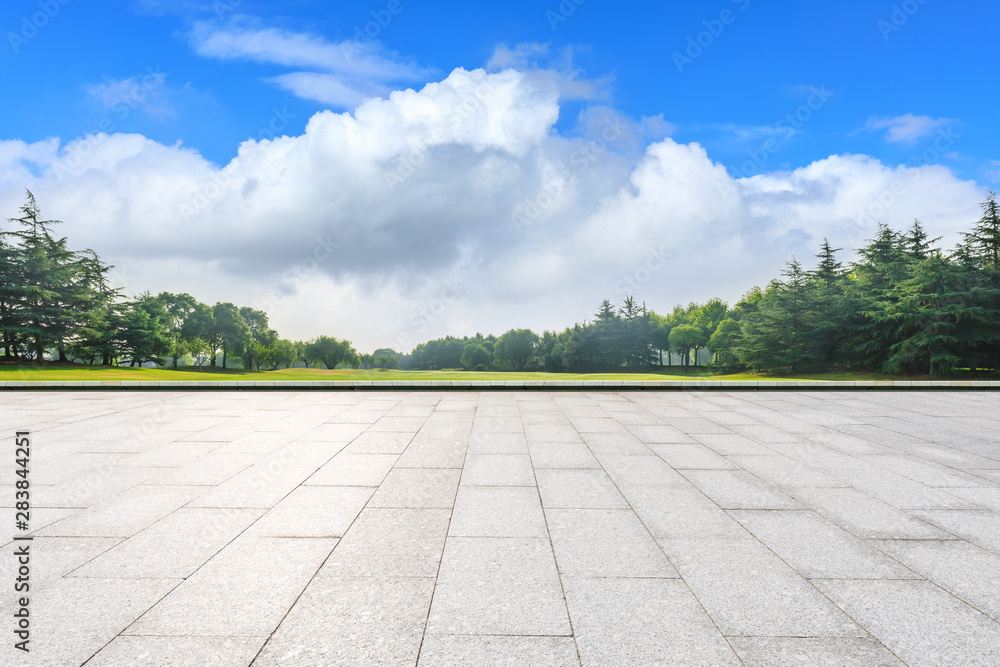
(458, 527)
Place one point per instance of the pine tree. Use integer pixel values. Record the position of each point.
(983, 242)
(925, 314)
(50, 283)
(11, 295)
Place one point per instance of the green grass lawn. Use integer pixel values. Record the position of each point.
(66, 371)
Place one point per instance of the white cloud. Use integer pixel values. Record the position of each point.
(457, 208)
(906, 129)
(756, 132)
(559, 67)
(144, 92)
(340, 74)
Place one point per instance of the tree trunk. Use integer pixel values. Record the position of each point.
(224, 354)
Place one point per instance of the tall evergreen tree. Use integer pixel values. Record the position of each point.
(49, 285)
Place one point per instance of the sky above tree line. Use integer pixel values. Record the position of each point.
(393, 171)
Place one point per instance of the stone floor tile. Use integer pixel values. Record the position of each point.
(918, 621)
(498, 470)
(498, 586)
(605, 543)
(417, 487)
(578, 489)
(817, 651)
(175, 546)
(313, 511)
(265, 574)
(865, 516)
(497, 511)
(389, 542)
(352, 621)
(748, 591)
(353, 470)
(816, 548)
(137, 651)
(738, 489)
(964, 570)
(460, 650)
(643, 622)
(694, 456)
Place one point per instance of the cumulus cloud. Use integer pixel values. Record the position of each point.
(458, 208)
(906, 129)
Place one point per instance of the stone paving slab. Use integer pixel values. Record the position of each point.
(824, 525)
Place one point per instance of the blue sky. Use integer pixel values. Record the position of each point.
(753, 73)
(549, 154)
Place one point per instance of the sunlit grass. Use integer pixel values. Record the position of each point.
(76, 372)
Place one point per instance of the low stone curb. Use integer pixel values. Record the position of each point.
(481, 385)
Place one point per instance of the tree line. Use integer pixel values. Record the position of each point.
(903, 306)
(59, 301)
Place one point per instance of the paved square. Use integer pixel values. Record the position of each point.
(548, 528)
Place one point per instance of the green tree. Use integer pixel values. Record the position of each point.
(329, 351)
(474, 355)
(684, 338)
(144, 334)
(983, 242)
(229, 332)
(723, 343)
(925, 313)
(515, 348)
(385, 361)
(260, 338)
(48, 297)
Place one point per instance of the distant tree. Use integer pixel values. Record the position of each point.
(279, 353)
(261, 337)
(723, 343)
(475, 354)
(144, 331)
(229, 332)
(684, 338)
(330, 351)
(386, 361)
(515, 348)
(186, 321)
